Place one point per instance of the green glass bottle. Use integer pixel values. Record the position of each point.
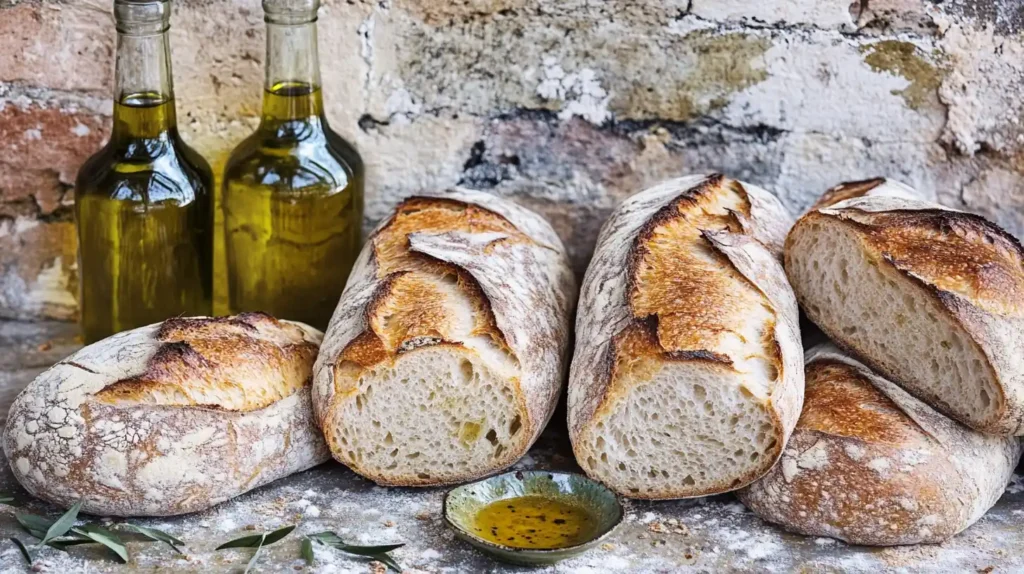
(293, 190)
(143, 205)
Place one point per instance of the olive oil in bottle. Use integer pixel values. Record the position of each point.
(292, 191)
(143, 205)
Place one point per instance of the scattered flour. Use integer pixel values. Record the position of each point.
(430, 555)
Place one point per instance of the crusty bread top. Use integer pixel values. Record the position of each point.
(438, 272)
(415, 302)
(951, 251)
(866, 188)
(241, 363)
(692, 249)
(873, 422)
(839, 400)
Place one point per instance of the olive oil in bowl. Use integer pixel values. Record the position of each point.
(533, 517)
(535, 522)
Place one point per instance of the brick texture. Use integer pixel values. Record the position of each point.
(565, 106)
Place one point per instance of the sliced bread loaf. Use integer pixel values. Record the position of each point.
(170, 418)
(447, 351)
(929, 297)
(870, 464)
(687, 377)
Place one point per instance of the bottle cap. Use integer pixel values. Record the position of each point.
(140, 17)
(290, 11)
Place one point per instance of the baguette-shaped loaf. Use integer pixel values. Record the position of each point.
(687, 377)
(446, 354)
(870, 464)
(929, 297)
(171, 418)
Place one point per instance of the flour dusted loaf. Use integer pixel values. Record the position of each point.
(446, 354)
(929, 297)
(688, 376)
(170, 418)
(870, 464)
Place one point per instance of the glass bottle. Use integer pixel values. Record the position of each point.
(293, 190)
(143, 205)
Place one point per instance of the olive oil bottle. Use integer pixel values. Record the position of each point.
(292, 191)
(143, 205)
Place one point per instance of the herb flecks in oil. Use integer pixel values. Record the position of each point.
(534, 522)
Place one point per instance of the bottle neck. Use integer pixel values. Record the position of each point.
(292, 86)
(144, 94)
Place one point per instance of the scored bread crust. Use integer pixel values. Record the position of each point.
(877, 187)
(634, 320)
(507, 261)
(971, 270)
(870, 464)
(170, 418)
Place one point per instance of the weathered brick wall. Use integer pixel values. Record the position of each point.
(567, 106)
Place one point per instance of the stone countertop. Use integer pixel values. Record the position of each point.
(712, 534)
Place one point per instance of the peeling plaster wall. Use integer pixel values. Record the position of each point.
(565, 106)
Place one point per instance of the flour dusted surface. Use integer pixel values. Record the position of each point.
(720, 535)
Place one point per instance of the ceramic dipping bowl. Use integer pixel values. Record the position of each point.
(591, 505)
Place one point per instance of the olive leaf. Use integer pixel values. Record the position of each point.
(378, 552)
(24, 550)
(47, 530)
(307, 550)
(326, 537)
(388, 561)
(6, 498)
(257, 541)
(62, 525)
(63, 544)
(33, 524)
(97, 533)
(154, 534)
(332, 539)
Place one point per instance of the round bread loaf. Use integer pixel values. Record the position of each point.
(687, 377)
(170, 418)
(446, 354)
(870, 464)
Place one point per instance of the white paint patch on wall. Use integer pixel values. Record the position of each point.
(819, 82)
(580, 92)
(817, 13)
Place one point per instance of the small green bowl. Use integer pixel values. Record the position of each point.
(462, 504)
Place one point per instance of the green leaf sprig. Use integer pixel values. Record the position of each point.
(62, 534)
(257, 541)
(328, 538)
(156, 535)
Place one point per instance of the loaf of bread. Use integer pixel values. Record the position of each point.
(446, 354)
(171, 418)
(929, 297)
(687, 377)
(870, 464)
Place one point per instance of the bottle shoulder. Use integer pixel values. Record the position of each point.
(146, 172)
(295, 160)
